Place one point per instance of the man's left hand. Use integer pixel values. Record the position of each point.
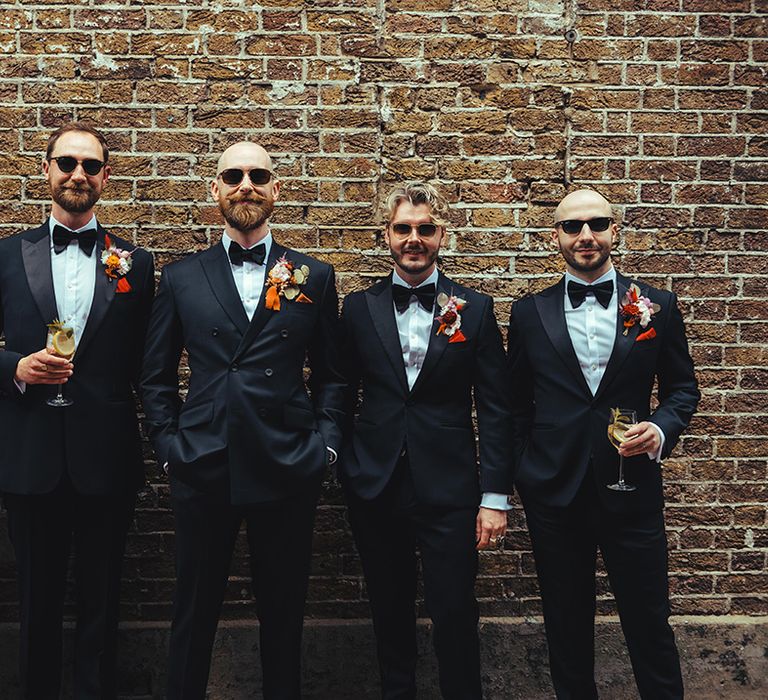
(642, 438)
(490, 527)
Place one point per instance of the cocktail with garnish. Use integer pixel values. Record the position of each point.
(621, 420)
(61, 342)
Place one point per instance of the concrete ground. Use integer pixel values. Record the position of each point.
(723, 657)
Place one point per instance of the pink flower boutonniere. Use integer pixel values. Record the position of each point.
(450, 317)
(638, 309)
(117, 264)
(285, 280)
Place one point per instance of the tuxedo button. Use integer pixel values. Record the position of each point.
(284, 333)
(269, 371)
(234, 367)
(214, 332)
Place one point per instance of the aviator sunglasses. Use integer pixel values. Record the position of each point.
(424, 230)
(234, 176)
(67, 164)
(597, 225)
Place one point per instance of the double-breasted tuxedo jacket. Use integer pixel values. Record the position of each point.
(433, 420)
(247, 399)
(566, 426)
(96, 440)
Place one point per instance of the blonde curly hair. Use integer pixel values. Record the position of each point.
(417, 193)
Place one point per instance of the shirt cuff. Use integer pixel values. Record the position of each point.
(21, 386)
(495, 501)
(656, 456)
(332, 455)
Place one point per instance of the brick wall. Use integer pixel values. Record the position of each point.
(660, 104)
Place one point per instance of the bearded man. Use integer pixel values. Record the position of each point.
(69, 472)
(249, 442)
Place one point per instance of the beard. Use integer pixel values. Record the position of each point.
(595, 264)
(246, 213)
(75, 200)
(414, 267)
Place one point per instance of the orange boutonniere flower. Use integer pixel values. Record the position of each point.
(117, 264)
(450, 317)
(285, 280)
(638, 309)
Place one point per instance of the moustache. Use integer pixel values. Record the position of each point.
(246, 199)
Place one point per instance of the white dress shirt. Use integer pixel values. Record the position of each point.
(249, 277)
(414, 326)
(592, 329)
(74, 280)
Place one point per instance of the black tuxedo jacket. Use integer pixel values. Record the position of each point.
(247, 399)
(434, 419)
(566, 427)
(96, 440)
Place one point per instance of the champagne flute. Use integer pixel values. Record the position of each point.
(60, 342)
(621, 420)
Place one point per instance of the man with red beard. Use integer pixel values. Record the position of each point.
(69, 474)
(249, 442)
(424, 349)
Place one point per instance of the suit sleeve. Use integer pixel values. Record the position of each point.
(678, 390)
(520, 383)
(492, 402)
(160, 371)
(350, 365)
(326, 382)
(145, 309)
(8, 361)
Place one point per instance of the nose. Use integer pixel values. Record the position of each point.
(586, 231)
(78, 173)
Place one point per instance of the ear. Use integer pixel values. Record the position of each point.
(614, 234)
(276, 189)
(46, 170)
(107, 171)
(554, 236)
(215, 189)
(386, 235)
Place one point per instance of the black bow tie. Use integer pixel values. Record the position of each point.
(256, 254)
(62, 237)
(578, 292)
(402, 296)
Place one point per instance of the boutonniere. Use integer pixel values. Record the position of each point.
(638, 309)
(117, 264)
(450, 317)
(285, 280)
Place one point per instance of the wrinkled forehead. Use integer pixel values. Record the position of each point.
(245, 156)
(582, 205)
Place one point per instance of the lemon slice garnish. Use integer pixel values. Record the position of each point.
(64, 343)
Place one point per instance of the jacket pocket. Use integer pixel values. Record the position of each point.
(298, 417)
(196, 415)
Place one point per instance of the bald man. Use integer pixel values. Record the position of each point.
(577, 350)
(249, 442)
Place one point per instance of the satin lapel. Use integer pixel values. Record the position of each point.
(437, 343)
(103, 293)
(382, 311)
(36, 256)
(262, 313)
(623, 343)
(219, 274)
(550, 305)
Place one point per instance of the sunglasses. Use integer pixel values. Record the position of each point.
(234, 176)
(424, 230)
(597, 225)
(67, 164)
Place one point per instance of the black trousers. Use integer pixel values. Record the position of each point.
(44, 529)
(280, 544)
(634, 550)
(387, 531)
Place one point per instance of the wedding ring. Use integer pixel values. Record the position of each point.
(494, 540)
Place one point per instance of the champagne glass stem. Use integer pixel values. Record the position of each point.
(621, 471)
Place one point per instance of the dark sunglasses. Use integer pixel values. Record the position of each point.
(424, 230)
(234, 176)
(67, 164)
(597, 225)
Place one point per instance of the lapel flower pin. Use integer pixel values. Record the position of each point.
(450, 317)
(638, 309)
(117, 264)
(286, 280)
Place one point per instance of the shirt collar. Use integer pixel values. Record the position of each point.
(52, 223)
(610, 275)
(432, 279)
(267, 241)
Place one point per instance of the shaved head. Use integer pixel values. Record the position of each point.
(572, 204)
(245, 152)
